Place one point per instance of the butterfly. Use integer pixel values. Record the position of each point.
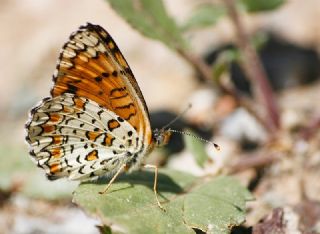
(96, 121)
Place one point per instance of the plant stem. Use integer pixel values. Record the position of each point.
(253, 69)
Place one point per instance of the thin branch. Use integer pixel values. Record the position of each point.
(254, 70)
(199, 65)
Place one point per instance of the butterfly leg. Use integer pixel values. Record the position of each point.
(155, 183)
(113, 179)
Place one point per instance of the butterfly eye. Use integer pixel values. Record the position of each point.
(161, 137)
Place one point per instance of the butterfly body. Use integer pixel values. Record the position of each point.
(96, 120)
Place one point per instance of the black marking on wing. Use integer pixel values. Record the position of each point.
(125, 106)
(71, 89)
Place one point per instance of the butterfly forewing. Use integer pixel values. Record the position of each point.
(92, 66)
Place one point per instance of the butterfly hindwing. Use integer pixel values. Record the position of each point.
(75, 137)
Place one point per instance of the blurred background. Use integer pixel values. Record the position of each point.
(33, 32)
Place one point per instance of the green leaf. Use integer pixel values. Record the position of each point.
(223, 62)
(104, 229)
(196, 147)
(205, 15)
(220, 68)
(261, 5)
(130, 207)
(150, 18)
(220, 204)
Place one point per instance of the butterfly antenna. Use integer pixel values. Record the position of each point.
(196, 137)
(178, 116)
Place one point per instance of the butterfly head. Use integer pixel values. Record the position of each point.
(161, 137)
